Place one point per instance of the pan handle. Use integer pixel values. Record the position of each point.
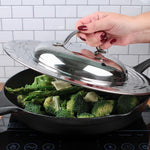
(6, 107)
(142, 66)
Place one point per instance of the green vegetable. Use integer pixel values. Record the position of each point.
(63, 104)
(20, 100)
(91, 97)
(77, 104)
(65, 113)
(33, 108)
(126, 103)
(52, 104)
(85, 115)
(61, 99)
(41, 83)
(41, 80)
(42, 94)
(102, 108)
(59, 84)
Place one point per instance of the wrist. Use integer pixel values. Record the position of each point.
(140, 37)
(141, 22)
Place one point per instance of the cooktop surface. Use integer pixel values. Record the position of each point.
(18, 136)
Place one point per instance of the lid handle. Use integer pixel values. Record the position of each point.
(98, 49)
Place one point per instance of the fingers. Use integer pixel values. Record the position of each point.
(89, 21)
(93, 39)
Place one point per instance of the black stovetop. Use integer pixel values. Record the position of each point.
(19, 137)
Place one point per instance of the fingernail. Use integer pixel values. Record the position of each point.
(103, 35)
(82, 39)
(113, 41)
(82, 28)
(104, 39)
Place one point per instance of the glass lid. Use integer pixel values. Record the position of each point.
(79, 65)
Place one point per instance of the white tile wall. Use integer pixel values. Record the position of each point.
(54, 2)
(33, 2)
(46, 20)
(44, 35)
(65, 11)
(23, 35)
(10, 2)
(54, 24)
(131, 10)
(120, 2)
(115, 9)
(11, 24)
(5, 12)
(85, 10)
(44, 11)
(98, 2)
(33, 24)
(22, 11)
(77, 2)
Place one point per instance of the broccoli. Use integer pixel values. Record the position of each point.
(44, 94)
(20, 100)
(29, 106)
(102, 108)
(63, 104)
(77, 104)
(59, 84)
(126, 103)
(65, 113)
(91, 97)
(41, 80)
(52, 104)
(85, 115)
(41, 83)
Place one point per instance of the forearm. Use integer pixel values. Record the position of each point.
(141, 28)
(141, 37)
(142, 22)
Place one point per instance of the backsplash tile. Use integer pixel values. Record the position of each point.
(49, 20)
(33, 24)
(22, 11)
(5, 12)
(54, 24)
(44, 11)
(85, 10)
(11, 24)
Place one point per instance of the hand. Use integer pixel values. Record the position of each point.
(107, 29)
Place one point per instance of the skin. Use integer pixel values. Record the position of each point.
(106, 29)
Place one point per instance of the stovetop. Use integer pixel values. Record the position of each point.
(18, 136)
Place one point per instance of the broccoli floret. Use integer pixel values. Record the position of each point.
(102, 108)
(126, 103)
(65, 113)
(77, 104)
(63, 104)
(91, 97)
(29, 106)
(52, 104)
(85, 115)
(41, 83)
(41, 80)
(60, 85)
(20, 100)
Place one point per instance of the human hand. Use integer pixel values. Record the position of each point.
(106, 29)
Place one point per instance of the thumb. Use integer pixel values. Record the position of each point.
(98, 25)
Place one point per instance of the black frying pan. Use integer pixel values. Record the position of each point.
(50, 124)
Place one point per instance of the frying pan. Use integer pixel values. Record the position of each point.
(53, 125)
